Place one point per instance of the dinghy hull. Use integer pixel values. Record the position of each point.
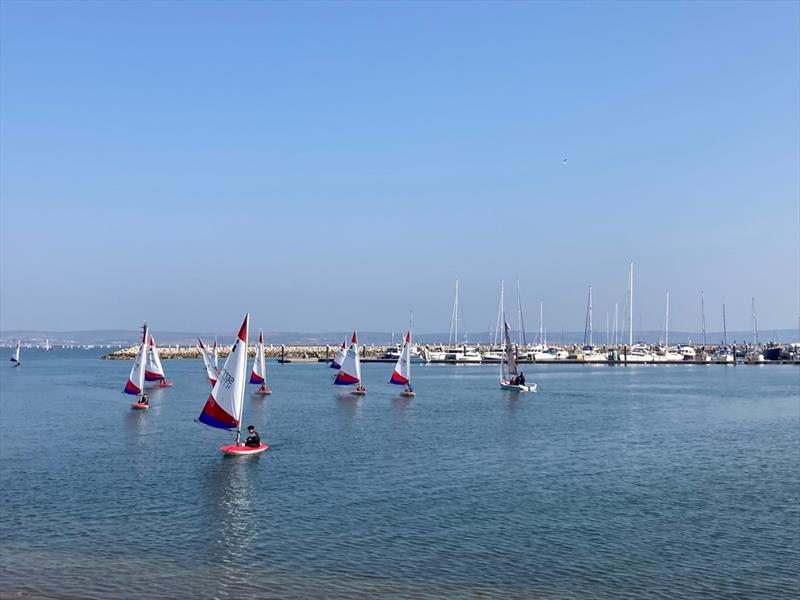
(234, 450)
(138, 406)
(518, 388)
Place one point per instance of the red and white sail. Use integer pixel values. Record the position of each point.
(223, 408)
(208, 363)
(136, 378)
(339, 358)
(350, 372)
(402, 370)
(153, 370)
(259, 373)
(215, 355)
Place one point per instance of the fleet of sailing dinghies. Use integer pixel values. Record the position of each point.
(15, 357)
(153, 370)
(224, 406)
(350, 371)
(337, 361)
(208, 363)
(258, 375)
(402, 370)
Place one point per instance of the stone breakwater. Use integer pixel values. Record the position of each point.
(308, 352)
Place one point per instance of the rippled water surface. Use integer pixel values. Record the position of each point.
(611, 482)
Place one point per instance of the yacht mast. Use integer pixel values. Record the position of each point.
(666, 324)
(522, 339)
(703, 317)
(616, 323)
(755, 323)
(453, 338)
(724, 325)
(630, 314)
(541, 322)
(498, 330)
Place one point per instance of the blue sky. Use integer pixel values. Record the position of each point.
(331, 165)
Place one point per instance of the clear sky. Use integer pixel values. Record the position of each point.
(331, 165)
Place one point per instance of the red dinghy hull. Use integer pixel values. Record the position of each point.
(359, 392)
(263, 392)
(166, 384)
(408, 394)
(138, 406)
(234, 450)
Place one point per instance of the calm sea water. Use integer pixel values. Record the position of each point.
(611, 482)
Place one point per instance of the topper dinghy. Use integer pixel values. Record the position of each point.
(153, 370)
(350, 373)
(15, 357)
(512, 382)
(208, 362)
(337, 361)
(225, 404)
(259, 373)
(135, 383)
(402, 370)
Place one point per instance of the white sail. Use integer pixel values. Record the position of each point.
(402, 370)
(153, 370)
(350, 373)
(15, 357)
(224, 406)
(259, 372)
(339, 358)
(511, 360)
(135, 383)
(208, 363)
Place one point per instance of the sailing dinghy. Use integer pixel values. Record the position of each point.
(135, 383)
(15, 357)
(337, 361)
(224, 406)
(350, 372)
(208, 362)
(153, 370)
(511, 382)
(259, 373)
(402, 370)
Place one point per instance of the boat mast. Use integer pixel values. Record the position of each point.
(755, 323)
(703, 317)
(616, 323)
(607, 337)
(724, 325)
(453, 339)
(522, 340)
(541, 323)
(666, 324)
(499, 327)
(630, 314)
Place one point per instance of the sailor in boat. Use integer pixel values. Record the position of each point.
(253, 439)
(361, 388)
(408, 389)
(144, 400)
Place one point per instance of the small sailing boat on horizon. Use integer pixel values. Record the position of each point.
(153, 369)
(259, 373)
(208, 363)
(402, 370)
(15, 357)
(224, 406)
(350, 371)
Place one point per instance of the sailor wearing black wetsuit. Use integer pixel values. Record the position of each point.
(253, 439)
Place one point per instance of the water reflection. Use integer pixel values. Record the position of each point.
(233, 528)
